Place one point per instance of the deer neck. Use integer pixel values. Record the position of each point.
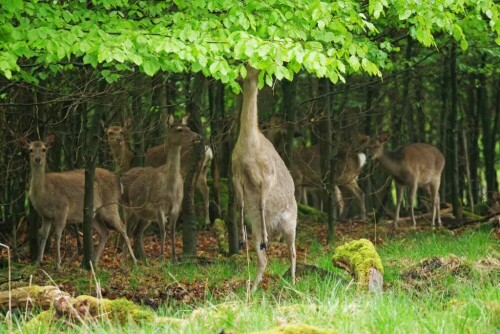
(249, 127)
(118, 149)
(392, 162)
(172, 167)
(37, 183)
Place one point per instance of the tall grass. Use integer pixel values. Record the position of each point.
(450, 304)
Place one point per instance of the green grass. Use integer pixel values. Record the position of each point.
(465, 301)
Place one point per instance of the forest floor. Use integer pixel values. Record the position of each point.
(414, 261)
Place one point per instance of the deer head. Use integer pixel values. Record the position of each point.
(116, 133)
(375, 146)
(38, 149)
(179, 134)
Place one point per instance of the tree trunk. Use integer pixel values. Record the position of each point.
(290, 113)
(325, 146)
(90, 154)
(453, 137)
(195, 90)
(216, 109)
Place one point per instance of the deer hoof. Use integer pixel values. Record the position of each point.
(263, 245)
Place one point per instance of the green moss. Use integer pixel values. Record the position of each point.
(311, 213)
(220, 235)
(120, 310)
(297, 329)
(358, 256)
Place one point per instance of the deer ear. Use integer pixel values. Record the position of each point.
(103, 124)
(363, 138)
(185, 119)
(127, 123)
(170, 120)
(23, 140)
(383, 137)
(51, 138)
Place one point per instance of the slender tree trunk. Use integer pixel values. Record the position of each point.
(453, 138)
(195, 90)
(90, 154)
(232, 216)
(216, 108)
(490, 127)
(290, 113)
(325, 146)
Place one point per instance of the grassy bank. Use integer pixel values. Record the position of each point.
(434, 283)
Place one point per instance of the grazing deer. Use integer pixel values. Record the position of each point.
(306, 169)
(413, 165)
(118, 146)
(58, 199)
(155, 194)
(157, 156)
(263, 185)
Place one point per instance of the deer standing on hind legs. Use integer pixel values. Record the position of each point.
(58, 199)
(263, 185)
(413, 165)
(155, 194)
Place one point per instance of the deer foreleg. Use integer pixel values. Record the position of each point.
(264, 242)
(44, 234)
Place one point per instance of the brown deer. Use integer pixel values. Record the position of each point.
(157, 156)
(263, 185)
(306, 168)
(413, 165)
(119, 148)
(155, 194)
(58, 199)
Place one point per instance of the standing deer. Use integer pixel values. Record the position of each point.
(155, 194)
(157, 156)
(306, 168)
(413, 165)
(263, 185)
(118, 146)
(58, 199)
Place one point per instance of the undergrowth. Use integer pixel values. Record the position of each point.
(434, 283)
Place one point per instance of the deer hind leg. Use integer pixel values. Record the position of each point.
(202, 186)
(44, 235)
(139, 251)
(264, 244)
(261, 258)
(103, 232)
(413, 192)
(434, 194)
(399, 195)
(360, 196)
(290, 241)
(162, 222)
(172, 221)
(112, 218)
(240, 202)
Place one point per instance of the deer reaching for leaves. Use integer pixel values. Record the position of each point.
(263, 185)
(413, 165)
(155, 194)
(58, 199)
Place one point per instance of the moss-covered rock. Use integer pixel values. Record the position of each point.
(297, 329)
(358, 257)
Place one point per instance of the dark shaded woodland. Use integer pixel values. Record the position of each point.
(442, 97)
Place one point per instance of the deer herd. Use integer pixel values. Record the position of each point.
(266, 190)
